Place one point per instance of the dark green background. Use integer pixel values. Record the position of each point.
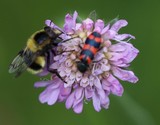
(140, 104)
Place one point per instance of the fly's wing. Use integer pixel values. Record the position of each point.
(21, 62)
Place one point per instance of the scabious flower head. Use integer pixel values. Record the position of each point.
(101, 78)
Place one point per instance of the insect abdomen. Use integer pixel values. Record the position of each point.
(37, 66)
(90, 48)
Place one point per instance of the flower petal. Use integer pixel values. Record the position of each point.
(124, 75)
(97, 83)
(78, 76)
(75, 15)
(110, 34)
(124, 53)
(70, 23)
(79, 100)
(101, 94)
(116, 87)
(105, 29)
(78, 93)
(118, 25)
(52, 25)
(88, 24)
(79, 27)
(99, 25)
(105, 103)
(78, 108)
(88, 92)
(117, 48)
(42, 83)
(65, 91)
(96, 102)
(53, 96)
(44, 96)
(123, 36)
(70, 100)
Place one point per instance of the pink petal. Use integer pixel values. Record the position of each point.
(88, 24)
(97, 83)
(131, 52)
(124, 36)
(70, 100)
(61, 98)
(99, 25)
(44, 96)
(101, 93)
(75, 15)
(78, 108)
(116, 88)
(119, 63)
(78, 27)
(124, 53)
(52, 25)
(105, 104)
(53, 97)
(111, 84)
(88, 92)
(117, 48)
(124, 75)
(78, 76)
(106, 85)
(105, 67)
(118, 25)
(115, 56)
(78, 93)
(65, 91)
(110, 34)
(54, 65)
(55, 84)
(70, 23)
(42, 83)
(96, 102)
(98, 56)
(78, 98)
(105, 29)
(49, 23)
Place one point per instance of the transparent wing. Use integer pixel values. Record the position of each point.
(21, 62)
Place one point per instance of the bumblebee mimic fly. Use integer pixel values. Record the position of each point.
(34, 56)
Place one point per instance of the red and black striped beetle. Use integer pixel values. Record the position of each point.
(90, 48)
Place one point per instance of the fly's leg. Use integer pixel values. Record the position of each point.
(52, 70)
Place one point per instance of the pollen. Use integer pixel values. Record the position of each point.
(82, 35)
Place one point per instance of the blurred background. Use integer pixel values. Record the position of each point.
(140, 104)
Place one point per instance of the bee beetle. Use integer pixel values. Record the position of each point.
(90, 48)
(36, 55)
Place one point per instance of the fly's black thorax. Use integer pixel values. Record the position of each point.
(43, 42)
(41, 38)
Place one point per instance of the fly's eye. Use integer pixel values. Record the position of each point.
(41, 37)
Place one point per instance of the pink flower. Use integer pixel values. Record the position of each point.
(54, 91)
(101, 79)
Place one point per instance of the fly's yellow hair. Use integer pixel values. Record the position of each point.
(32, 44)
(40, 60)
